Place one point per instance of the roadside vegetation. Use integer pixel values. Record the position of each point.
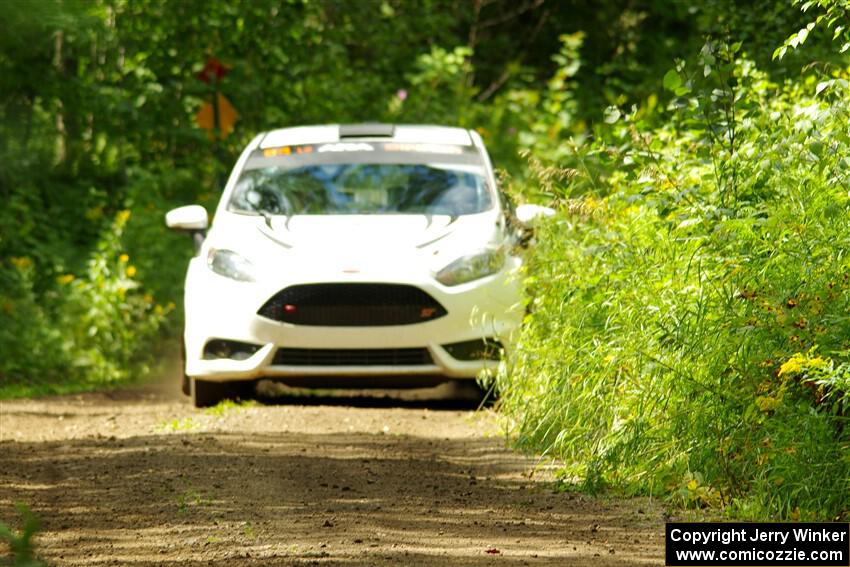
(688, 329)
(687, 332)
(21, 552)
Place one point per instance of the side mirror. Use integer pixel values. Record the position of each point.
(190, 218)
(527, 214)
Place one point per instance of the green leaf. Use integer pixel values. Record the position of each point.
(688, 222)
(672, 80)
(611, 115)
(822, 86)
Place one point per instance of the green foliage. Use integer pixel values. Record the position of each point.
(21, 544)
(106, 315)
(199, 422)
(669, 307)
(440, 87)
(833, 15)
(91, 330)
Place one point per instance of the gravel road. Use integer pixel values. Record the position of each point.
(139, 477)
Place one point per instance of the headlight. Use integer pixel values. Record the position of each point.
(230, 265)
(472, 267)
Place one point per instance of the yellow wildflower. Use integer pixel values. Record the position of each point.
(123, 258)
(793, 365)
(800, 362)
(21, 262)
(817, 363)
(65, 279)
(123, 216)
(130, 271)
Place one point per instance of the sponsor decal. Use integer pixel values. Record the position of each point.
(287, 151)
(346, 147)
(423, 148)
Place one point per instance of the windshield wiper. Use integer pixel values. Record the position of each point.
(267, 216)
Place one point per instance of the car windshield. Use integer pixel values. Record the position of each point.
(321, 184)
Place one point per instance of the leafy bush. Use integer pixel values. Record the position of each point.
(110, 323)
(671, 304)
(88, 330)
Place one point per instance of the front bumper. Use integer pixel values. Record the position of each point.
(218, 308)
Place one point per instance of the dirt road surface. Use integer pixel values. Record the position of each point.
(139, 477)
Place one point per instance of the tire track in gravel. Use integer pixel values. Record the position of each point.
(139, 477)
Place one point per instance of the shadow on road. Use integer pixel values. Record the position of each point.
(293, 498)
(308, 477)
(448, 396)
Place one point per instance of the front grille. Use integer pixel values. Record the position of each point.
(352, 305)
(352, 357)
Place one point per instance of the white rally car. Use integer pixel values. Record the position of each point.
(353, 255)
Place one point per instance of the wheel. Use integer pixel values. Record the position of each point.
(206, 393)
(186, 385)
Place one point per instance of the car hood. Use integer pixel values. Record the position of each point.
(334, 231)
(426, 241)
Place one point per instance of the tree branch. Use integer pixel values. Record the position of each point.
(533, 5)
(506, 74)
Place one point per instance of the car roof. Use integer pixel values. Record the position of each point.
(329, 133)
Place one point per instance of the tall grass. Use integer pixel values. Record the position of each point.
(688, 331)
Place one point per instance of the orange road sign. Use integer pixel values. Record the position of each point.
(227, 117)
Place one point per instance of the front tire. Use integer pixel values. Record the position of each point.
(186, 384)
(206, 393)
